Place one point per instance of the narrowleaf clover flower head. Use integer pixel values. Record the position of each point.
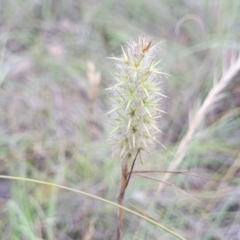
(135, 99)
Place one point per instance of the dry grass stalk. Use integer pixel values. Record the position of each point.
(94, 79)
(197, 119)
(90, 231)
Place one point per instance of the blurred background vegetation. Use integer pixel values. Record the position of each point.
(53, 128)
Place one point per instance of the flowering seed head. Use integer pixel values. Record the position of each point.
(135, 97)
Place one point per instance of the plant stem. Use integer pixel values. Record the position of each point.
(124, 183)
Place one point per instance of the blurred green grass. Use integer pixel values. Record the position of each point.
(48, 132)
